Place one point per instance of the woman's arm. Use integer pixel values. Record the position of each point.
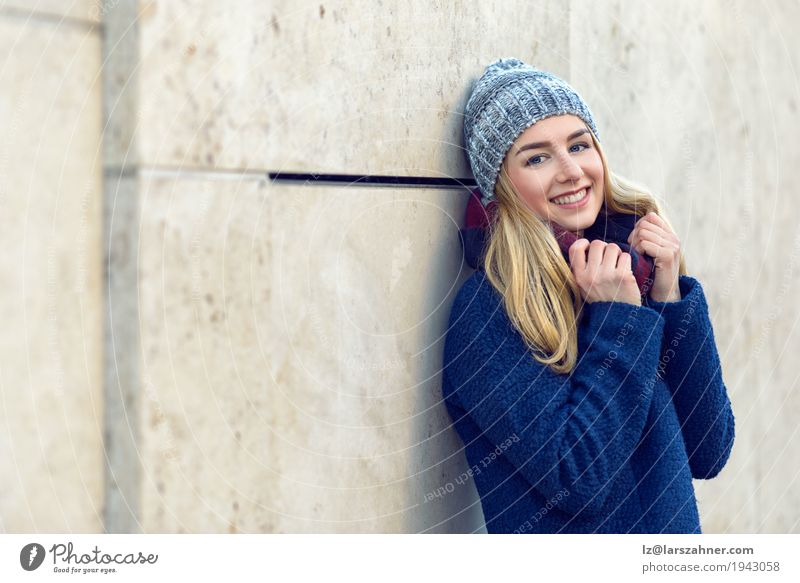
(572, 432)
(690, 365)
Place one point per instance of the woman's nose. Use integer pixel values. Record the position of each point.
(569, 169)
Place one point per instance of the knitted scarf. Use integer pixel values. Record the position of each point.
(609, 227)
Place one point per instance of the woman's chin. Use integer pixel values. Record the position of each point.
(574, 226)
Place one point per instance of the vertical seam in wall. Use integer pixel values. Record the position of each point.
(122, 375)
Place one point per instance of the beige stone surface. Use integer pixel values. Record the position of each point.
(88, 10)
(51, 455)
(292, 343)
(674, 89)
(284, 342)
(354, 87)
(701, 106)
(764, 71)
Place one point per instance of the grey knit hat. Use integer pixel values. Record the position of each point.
(510, 97)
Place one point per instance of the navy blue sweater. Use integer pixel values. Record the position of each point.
(611, 447)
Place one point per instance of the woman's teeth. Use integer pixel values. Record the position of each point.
(578, 196)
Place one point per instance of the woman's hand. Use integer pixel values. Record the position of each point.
(652, 236)
(604, 274)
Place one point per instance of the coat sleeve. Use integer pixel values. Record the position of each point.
(691, 367)
(570, 431)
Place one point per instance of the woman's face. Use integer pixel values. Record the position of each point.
(556, 157)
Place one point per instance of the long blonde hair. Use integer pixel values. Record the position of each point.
(523, 262)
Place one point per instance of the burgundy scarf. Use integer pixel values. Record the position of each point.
(609, 227)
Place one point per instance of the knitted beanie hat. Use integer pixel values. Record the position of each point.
(510, 97)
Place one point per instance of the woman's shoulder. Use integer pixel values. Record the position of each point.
(478, 309)
(479, 330)
(475, 295)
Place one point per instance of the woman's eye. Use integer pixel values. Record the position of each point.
(582, 145)
(536, 160)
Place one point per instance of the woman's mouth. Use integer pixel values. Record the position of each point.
(572, 201)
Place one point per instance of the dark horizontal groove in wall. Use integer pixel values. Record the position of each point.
(370, 180)
(296, 178)
(49, 18)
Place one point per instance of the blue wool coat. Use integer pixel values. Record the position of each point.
(611, 447)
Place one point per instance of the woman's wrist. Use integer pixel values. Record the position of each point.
(674, 294)
(673, 297)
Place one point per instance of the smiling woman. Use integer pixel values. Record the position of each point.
(557, 172)
(555, 343)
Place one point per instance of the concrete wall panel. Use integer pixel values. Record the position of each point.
(50, 373)
(90, 11)
(353, 87)
(292, 347)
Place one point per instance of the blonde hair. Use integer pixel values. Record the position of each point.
(523, 262)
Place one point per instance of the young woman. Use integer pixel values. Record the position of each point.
(580, 366)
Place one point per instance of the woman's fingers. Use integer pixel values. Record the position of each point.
(659, 231)
(658, 239)
(611, 255)
(651, 222)
(661, 243)
(624, 263)
(596, 249)
(657, 249)
(577, 254)
(654, 219)
(600, 255)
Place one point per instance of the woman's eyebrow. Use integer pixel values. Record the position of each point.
(572, 136)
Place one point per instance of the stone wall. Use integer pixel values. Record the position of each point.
(265, 356)
(51, 419)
